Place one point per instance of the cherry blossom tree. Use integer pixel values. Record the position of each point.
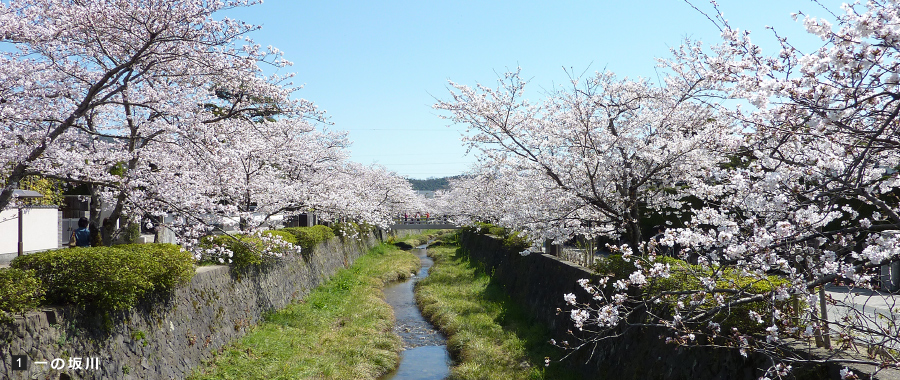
(814, 194)
(370, 194)
(518, 200)
(809, 198)
(76, 71)
(251, 170)
(606, 149)
(269, 167)
(823, 156)
(788, 185)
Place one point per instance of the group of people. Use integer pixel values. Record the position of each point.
(420, 217)
(406, 217)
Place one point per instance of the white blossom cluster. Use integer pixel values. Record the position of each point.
(784, 164)
(162, 109)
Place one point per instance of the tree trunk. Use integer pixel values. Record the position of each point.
(633, 235)
(109, 228)
(95, 207)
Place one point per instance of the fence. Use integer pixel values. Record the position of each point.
(576, 256)
(422, 220)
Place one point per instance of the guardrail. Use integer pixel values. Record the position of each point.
(438, 223)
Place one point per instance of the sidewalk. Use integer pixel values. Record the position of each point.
(6, 258)
(876, 311)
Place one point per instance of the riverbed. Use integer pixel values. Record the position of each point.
(424, 355)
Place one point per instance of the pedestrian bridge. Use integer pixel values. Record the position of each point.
(423, 224)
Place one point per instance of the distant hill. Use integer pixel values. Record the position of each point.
(431, 184)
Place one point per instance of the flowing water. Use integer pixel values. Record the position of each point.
(425, 354)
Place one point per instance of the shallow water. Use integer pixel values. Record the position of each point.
(425, 354)
(422, 363)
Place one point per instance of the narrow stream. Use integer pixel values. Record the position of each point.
(425, 354)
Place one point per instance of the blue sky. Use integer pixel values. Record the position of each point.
(377, 67)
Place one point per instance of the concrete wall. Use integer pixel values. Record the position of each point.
(40, 229)
(538, 283)
(166, 338)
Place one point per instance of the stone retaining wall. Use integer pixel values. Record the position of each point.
(402, 233)
(538, 283)
(167, 338)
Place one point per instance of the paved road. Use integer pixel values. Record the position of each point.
(872, 310)
(6, 258)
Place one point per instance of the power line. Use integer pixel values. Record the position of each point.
(400, 129)
(394, 155)
(434, 173)
(429, 163)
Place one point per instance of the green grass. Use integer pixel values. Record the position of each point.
(422, 238)
(341, 330)
(490, 337)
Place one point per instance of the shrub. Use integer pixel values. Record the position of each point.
(108, 278)
(246, 250)
(174, 266)
(241, 248)
(468, 229)
(309, 237)
(20, 290)
(685, 277)
(489, 229)
(497, 231)
(350, 230)
(132, 233)
(285, 235)
(512, 241)
(615, 266)
(515, 242)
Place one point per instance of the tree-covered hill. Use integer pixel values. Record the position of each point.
(431, 184)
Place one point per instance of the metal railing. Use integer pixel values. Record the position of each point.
(422, 220)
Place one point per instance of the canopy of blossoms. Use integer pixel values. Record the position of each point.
(778, 170)
(161, 108)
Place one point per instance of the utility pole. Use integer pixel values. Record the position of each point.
(20, 194)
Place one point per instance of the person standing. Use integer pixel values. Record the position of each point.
(82, 236)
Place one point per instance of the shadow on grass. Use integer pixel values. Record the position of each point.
(508, 315)
(403, 245)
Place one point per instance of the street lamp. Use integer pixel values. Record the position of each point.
(24, 194)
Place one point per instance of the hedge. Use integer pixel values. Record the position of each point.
(308, 237)
(350, 229)
(108, 278)
(20, 290)
(512, 241)
(247, 250)
(175, 265)
(489, 229)
(685, 277)
(285, 235)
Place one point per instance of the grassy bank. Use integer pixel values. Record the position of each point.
(490, 337)
(421, 238)
(341, 330)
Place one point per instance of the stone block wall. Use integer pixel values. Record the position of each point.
(402, 233)
(538, 283)
(167, 337)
